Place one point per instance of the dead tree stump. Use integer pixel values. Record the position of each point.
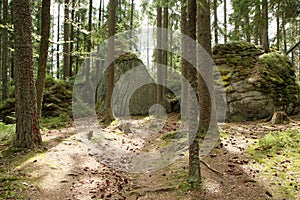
(280, 117)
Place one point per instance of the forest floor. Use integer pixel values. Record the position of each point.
(65, 170)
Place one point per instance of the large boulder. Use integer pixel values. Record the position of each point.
(256, 84)
(57, 101)
(135, 89)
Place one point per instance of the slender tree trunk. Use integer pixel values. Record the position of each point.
(194, 162)
(265, 20)
(1, 31)
(257, 19)
(247, 25)
(66, 40)
(184, 62)
(111, 55)
(5, 51)
(205, 66)
(225, 21)
(277, 30)
(131, 16)
(27, 123)
(159, 57)
(165, 45)
(284, 34)
(57, 45)
(215, 4)
(77, 44)
(72, 36)
(11, 44)
(43, 54)
(100, 14)
(89, 40)
(103, 9)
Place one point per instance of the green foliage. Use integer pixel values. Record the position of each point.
(279, 155)
(62, 121)
(6, 132)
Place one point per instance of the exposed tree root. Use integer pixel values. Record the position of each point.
(212, 169)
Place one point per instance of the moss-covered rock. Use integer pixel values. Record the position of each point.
(57, 101)
(256, 84)
(135, 90)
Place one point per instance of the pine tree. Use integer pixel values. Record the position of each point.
(43, 53)
(27, 124)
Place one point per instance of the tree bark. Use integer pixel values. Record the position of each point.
(43, 54)
(111, 54)
(165, 45)
(215, 4)
(194, 161)
(265, 22)
(72, 36)
(1, 36)
(159, 56)
(225, 21)
(57, 45)
(66, 46)
(27, 124)
(5, 52)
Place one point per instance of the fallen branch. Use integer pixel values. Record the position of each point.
(212, 169)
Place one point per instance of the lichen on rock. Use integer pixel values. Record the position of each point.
(256, 84)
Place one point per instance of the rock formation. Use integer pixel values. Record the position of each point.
(256, 84)
(135, 90)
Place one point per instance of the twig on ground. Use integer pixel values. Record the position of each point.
(212, 169)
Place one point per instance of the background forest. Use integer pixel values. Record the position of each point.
(45, 43)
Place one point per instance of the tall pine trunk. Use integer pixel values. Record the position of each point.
(111, 55)
(66, 46)
(5, 51)
(184, 62)
(43, 54)
(27, 124)
(194, 161)
(165, 45)
(265, 25)
(225, 21)
(57, 45)
(72, 36)
(159, 56)
(215, 5)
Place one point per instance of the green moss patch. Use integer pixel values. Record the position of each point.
(279, 155)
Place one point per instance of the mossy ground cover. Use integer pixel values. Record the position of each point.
(278, 156)
(12, 180)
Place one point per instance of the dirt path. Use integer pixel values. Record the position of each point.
(68, 171)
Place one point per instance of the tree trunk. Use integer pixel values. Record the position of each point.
(215, 4)
(11, 44)
(257, 25)
(194, 162)
(66, 40)
(99, 16)
(284, 34)
(1, 35)
(159, 56)
(111, 54)
(72, 36)
(265, 22)
(165, 46)
(5, 52)
(225, 21)
(247, 25)
(27, 124)
(131, 16)
(43, 54)
(184, 62)
(57, 45)
(277, 32)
